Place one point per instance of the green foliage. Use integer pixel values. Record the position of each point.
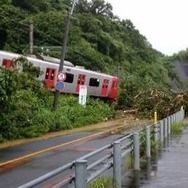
(32, 5)
(153, 145)
(7, 84)
(20, 117)
(13, 33)
(102, 38)
(79, 115)
(129, 89)
(27, 67)
(129, 161)
(177, 128)
(26, 106)
(102, 182)
(3, 2)
(181, 55)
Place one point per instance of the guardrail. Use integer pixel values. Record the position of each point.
(85, 169)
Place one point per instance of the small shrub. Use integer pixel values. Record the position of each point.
(102, 182)
(129, 160)
(177, 128)
(60, 121)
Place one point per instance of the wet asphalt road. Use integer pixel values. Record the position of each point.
(18, 173)
(167, 169)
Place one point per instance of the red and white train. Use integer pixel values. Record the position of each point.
(98, 84)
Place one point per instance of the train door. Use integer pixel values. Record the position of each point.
(50, 77)
(104, 89)
(7, 63)
(114, 88)
(81, 81)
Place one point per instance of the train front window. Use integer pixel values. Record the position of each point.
(94, 82)
(114, 84)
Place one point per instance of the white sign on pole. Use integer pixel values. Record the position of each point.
(82, 95)
(61, 76)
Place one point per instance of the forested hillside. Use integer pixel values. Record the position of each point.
(97, 37)
(98, 40)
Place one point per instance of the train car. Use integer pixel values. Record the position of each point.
(98, 84)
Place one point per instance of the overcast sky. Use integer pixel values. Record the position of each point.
(163, 22)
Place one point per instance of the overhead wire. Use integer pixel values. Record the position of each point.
(17, 21)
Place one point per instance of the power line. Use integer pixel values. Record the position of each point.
(14, 20)
(46, 36)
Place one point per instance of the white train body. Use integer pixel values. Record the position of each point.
(98, 84)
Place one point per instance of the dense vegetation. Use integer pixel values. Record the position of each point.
(26, 107)
(98, 40)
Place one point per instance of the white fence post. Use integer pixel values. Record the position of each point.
(81, 174)
(117, 164)
(136, 151)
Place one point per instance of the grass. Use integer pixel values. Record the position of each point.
(129, 161)
(102, 182)
(130, 158)
(177, 128)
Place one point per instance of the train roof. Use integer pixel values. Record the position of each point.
(14, 55)
(53, 60)
(40, 57)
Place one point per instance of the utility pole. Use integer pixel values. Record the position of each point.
(31, 37)
(64, 46)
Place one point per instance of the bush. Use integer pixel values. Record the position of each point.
(177, 128)
(102, 182)
(59, 121)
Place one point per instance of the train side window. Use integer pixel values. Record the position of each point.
(79, 79)
(47, 73)
(7, 63)
(69, 78)
(105, 83)
(83, 79)
(52, 74)
(94, 82)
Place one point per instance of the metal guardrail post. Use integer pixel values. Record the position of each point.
(117, 164)
(177, 116)
(81, 174)
(161, 123)
(168, 125)
(180, 118)
(183, 114)
(174, 117)
(172, 120)
(155, 132)
(165, 128)
(148, 143)
(136, 151)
